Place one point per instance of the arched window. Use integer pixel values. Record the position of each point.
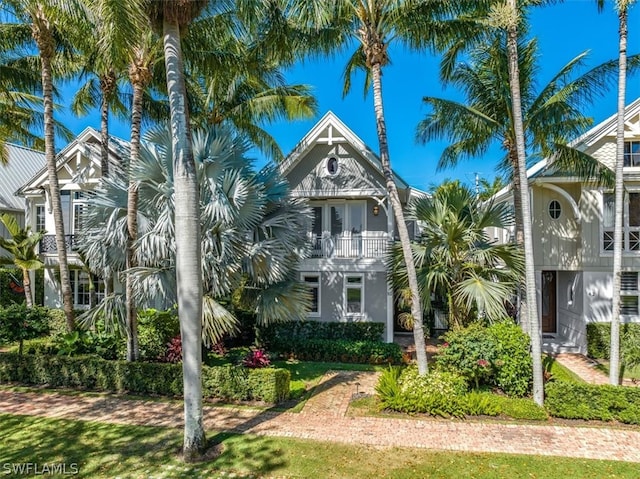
(332, 166)
(555, 210)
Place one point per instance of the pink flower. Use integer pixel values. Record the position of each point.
(483, 363)
(445, 345)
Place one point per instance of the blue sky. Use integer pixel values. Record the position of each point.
(563, 31)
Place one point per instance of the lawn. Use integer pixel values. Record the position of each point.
(106, 451)
(626, 372)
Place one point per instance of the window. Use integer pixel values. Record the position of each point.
(81, 287)
(312, 281)
(78, 213)
(332, 166)
(555, 210)
(630, 221)
(353, 295)
(40, 218)
(632, 153)
(629, 293)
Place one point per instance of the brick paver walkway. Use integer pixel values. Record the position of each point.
(585, 368)
(325, 418)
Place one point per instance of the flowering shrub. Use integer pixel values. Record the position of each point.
(174, 350)
(496, 356)
(257, 358)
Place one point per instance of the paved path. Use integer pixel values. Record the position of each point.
(325, 418)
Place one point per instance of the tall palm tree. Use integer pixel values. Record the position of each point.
(373, 25)
(175, 15)
(455, 258)
(252, 235)
(53, 24)
(22, 247)
(622, 7)
(552, 115)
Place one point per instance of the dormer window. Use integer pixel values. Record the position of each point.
(632, 154)
(332, 166)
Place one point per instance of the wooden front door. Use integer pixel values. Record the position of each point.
(549, 304)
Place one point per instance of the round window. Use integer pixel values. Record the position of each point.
(555, 210)
(332, 165)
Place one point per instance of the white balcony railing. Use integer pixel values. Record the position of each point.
(348, 247)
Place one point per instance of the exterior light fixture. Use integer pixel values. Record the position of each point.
(376, 210)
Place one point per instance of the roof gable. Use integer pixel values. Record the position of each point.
(330, 130)
(79, 162)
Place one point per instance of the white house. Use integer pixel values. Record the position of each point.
(331, 167)
(573, 238)
(78, 172)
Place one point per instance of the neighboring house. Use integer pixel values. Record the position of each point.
(23, 164)
(352, 225)
(78, 172)
(573, 238)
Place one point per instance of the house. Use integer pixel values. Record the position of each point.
(79, 171)
(353, 224)
(573, 238)
(331, 167)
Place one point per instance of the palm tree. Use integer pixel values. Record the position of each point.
(622, 7)
(455, 258)
(374, 25)
(53, 24)
(552, 115)
(252, 235)
(22, 247)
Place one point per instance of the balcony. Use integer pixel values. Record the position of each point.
(48, 244)
(348, 247)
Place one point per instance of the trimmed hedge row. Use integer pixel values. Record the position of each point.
(372, 352)
(590, 401)
(599, 338)
(364, 331)
(270, 385)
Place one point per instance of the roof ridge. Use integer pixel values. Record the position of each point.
(23, 147)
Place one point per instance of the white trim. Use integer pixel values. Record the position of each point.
(566, 196)
(318, 274)
(360, 286)
(364, 265)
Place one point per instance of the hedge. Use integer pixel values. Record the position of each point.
(270, 385)
(599, 338)
(364, 331)
(372, 352)
(591, 401)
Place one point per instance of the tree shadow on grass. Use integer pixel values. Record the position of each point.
(109, 450)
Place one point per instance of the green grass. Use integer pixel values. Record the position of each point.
(558, 371)
(626, 372)
(107, 451)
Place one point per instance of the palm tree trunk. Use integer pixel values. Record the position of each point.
(530, 280)
(519, 236)
(416, 306)
(133, 352)
(26, 284)
(614, 365)
(187, 224)
(104, 126)
(44, 39)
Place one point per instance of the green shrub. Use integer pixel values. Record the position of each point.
(93, 373)
(599, 340)
(519, 408)
(339, 350)
(155, 330)
(513, 364)
(18, 323)
(57, 323)
(470, 351)
(590, 401)
(497, 355)
(7, 295)
(303, 330)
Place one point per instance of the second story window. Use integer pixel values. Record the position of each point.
(630, 222)
(40, 218)
(632, 153)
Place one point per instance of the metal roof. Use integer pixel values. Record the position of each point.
(23, 164)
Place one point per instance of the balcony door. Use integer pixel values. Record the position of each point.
(337, 228)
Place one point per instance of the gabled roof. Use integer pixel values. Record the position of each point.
(606, 128)
(343, 134)
(89, 143)
(23, 164)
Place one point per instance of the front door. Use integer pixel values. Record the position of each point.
(549, 302)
